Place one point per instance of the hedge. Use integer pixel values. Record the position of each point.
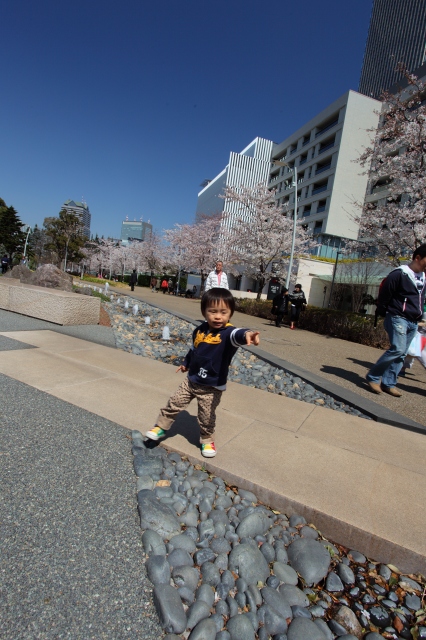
(339, 324)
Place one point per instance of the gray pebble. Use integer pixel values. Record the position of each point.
(158, 570)
(240, 628)
(197, 612)
(169, 609)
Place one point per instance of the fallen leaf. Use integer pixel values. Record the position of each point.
(163, 483)
(398, 624)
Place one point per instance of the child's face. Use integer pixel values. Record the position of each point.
(217, 315)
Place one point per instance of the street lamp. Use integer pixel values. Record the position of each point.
(279, 163)
(26, 240)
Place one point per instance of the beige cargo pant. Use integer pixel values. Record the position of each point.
(208, 399)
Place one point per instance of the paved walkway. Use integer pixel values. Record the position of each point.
(71, 551)
(361, 483)
(340, 361)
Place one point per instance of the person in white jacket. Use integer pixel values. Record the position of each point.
(217, 278)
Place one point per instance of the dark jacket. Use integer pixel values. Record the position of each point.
(133, 278)
(400, 296)
(209, 358)
(297, 299)
(280, 303)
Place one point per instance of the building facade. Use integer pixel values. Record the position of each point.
(135, 230)
(330, 184)
(397, 33)
(82, 210)
(248, 168)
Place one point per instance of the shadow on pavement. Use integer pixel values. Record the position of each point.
(356, 379)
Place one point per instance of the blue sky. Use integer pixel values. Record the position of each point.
(132, 104)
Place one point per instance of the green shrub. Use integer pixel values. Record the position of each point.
(339, 324)
(253, 307)
(144, 280)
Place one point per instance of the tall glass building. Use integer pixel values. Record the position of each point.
(397, 33)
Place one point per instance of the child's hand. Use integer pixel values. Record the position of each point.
(252, 337)
(182, 368)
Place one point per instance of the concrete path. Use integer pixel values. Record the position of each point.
(341, 362)
(363, 484)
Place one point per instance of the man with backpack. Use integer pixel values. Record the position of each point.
(401, 299)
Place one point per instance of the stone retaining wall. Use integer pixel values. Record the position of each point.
(53, 305)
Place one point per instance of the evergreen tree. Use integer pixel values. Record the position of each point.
(12, 238)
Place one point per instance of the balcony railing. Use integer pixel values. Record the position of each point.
(325, 167)
(302, 161)
(323, 187)
(292, 151)
(321, 208)
(307, 212)
(329, 126)
(327, 146)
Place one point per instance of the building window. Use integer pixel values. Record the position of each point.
(329, 124)
(324, 166)
(318, 227)
(306, 139)
(321, 205)
(327, 144)
(318, 187)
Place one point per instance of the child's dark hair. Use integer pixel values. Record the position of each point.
(420, 251)
(215, 295)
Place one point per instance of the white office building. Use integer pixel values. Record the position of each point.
(330, 182)
(247, 168)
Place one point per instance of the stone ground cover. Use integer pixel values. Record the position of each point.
(133, 335)
(226, 567)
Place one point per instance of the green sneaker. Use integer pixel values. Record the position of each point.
(208, 450)
(156, 433)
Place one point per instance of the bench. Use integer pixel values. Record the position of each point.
(53, 305)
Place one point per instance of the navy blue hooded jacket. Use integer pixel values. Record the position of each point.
(209, 358)
(401, 295)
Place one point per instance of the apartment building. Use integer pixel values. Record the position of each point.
(135, 230)
(330, 182)
(248, 168)
(82, 210)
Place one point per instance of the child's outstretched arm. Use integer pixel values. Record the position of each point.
(252, 337)
(182, 368)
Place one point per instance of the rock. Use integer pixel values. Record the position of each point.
(249, 563)
(310, 559)
(47, 275)
(220, 545)
(158, 570)
(205, 630)
(379, 617)
(170, 609)
(157, 516)
(180, 558)
(357, 557)
(240, 628)
(197, 612)
(333, 583)
(145, 482)
(277, 602)
(285, 573)
(347, 618)
(210, 574)
(345, 573)
(205, 593)
(294, 596)
(145, 466)
(182, 542)
(153, 543)
(302, 629)
(253, 525)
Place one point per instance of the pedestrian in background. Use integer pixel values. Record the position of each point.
(401, 299)
(170, 286)
(153, 284)
(217, 278)
(133, 279)
(164, 285)
(298, 301)
(280, 306)
(4, 263)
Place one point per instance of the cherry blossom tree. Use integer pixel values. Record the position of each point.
(260, 234)
(196, 247)
(396, 163)
(152, 253)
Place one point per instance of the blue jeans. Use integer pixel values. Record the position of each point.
(401, 332)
